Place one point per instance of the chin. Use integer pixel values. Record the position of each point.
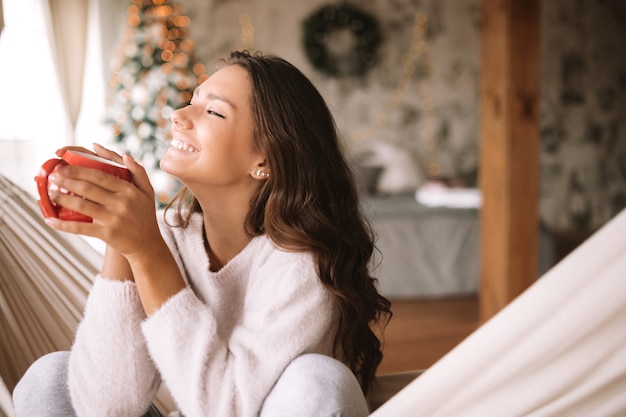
(166, 166)
(174, 169)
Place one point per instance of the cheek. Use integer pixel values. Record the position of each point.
(230, 146)
(221, 157)
(238, 145)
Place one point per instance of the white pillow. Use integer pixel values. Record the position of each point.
(400, 171)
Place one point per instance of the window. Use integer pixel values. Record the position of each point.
(33, 120)
(32, 117)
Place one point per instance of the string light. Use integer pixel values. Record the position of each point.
(247, 30)
(418, 50)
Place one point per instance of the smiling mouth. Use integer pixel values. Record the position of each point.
(182, 146)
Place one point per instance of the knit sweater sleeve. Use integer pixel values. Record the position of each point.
(110, 371)
(212, 371)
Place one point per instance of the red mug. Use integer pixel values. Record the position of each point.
(77, 158)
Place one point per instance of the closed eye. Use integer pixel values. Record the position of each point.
(214, 113)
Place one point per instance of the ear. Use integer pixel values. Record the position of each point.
(260, 171)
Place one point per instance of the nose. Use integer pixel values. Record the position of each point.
(180, 119)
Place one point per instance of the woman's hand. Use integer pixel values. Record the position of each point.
(124, 214)
(124, 217)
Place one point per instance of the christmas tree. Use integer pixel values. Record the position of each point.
(154, 72)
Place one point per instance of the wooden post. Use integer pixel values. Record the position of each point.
(509, 150)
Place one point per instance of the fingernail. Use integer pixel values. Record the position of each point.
(53, 190)
(50, 221)
(61, 169)
(54, 177)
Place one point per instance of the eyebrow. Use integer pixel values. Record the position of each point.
(213, 96)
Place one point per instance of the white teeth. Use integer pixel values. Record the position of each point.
(178, 144)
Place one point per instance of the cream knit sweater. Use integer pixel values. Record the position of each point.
(219, 345)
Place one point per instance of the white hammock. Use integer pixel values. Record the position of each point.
(44, 280)
(557, 350)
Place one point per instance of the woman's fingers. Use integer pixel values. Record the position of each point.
(105, 153)
(123, 213)
(87, 190)
(77, 228)
(81, 180)
(139, 174)
(77, 204)
(112, 203)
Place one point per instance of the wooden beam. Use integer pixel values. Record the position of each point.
(509, 150)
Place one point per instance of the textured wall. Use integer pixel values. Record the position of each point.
(386, 115)
(583, 128)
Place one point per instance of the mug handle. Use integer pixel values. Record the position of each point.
(48, 208)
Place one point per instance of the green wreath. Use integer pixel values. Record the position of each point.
(329, 19)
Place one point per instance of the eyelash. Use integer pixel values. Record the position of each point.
(213, 112)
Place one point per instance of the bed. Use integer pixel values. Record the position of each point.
(430, 251)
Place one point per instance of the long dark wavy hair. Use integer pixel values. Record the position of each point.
(310, 202)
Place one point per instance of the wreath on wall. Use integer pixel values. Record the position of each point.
(341, 40)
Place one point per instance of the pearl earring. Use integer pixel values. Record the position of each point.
(260, 173)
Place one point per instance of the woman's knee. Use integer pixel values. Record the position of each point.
(43, 388)
(316, 385)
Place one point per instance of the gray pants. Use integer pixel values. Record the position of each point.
(312, 385)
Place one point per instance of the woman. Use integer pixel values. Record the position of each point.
(262, 259)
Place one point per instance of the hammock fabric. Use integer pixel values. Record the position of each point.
(559, 349)
(44, 280)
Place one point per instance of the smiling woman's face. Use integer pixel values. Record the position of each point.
(212, 141)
